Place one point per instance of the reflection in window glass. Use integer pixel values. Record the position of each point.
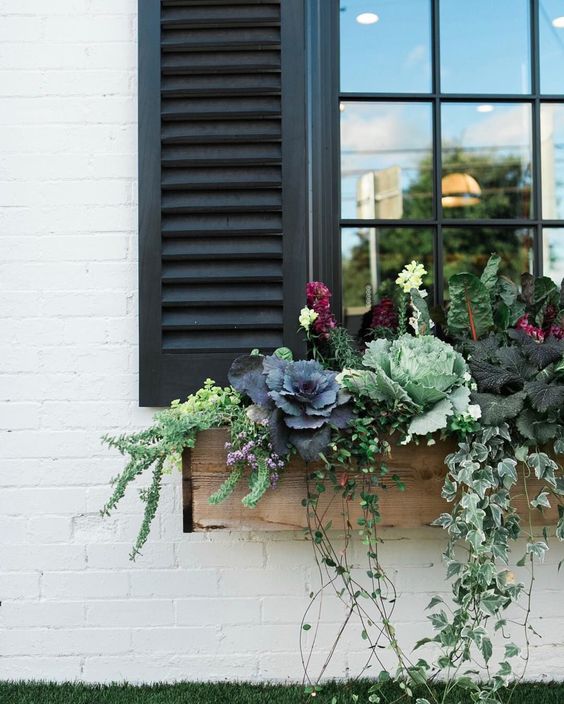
(386, 160)
(372, 257)
(468, 249)
(385, 46)
(552, 160)
(553, 253)
(485, 46)
(486, 157)
(551, 29)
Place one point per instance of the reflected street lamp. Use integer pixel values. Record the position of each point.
(460, 190)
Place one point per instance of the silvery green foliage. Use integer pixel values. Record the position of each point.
(427, 376)
(303, 399)
(481, 475)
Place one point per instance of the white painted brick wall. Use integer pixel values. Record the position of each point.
(73, 606)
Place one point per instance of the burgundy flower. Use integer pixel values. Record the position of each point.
(549, 316)
(531, 330)
(319, 300)
(556, 331)
(384, 315)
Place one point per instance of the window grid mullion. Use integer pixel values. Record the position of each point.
(536, 138)
(438, 248)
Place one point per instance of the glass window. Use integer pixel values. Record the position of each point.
(552, 160)
(472, 139)
(551, 31)
(371, 260)
(468, 249)
(386, 160)
(385, 46)
(486, 160)
(485, 46)
(553, 253)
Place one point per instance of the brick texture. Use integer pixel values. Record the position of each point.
(72, 605)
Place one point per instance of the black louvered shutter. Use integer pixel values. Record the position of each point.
(222, 186)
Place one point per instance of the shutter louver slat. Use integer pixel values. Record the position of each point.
(234, 107)
(222, 255)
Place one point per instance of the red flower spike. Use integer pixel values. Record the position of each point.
(318, 298)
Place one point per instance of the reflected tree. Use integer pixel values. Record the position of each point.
(506, 193)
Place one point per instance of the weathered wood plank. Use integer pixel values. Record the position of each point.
(421, 468)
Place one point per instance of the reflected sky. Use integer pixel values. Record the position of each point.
(485, 46)
(392, 54)
(551, 46)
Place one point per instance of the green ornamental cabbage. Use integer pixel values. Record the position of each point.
(427, 376)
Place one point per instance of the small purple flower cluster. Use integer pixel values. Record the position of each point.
(244, 454)
(247, 454)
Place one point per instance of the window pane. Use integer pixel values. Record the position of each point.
(386, 160)
(486, 157)
(552, 161)
(372, 258)
(553, 254)
(551, 29)
(385, 46)
(485, 46)
(468, 249)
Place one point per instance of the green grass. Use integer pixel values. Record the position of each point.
(225, 693)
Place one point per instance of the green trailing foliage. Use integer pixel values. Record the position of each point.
(173, 430)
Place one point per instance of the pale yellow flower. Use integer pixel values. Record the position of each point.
(307, 316)
(411, 276)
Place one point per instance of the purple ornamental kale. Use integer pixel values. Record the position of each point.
(303, 399)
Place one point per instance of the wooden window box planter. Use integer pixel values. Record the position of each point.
(421, 468)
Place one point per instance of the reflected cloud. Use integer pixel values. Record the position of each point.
(504, 127)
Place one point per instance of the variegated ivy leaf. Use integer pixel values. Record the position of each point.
(512, 650)
(434, 601)
(482, 481)
(504, 669)
(543, 466)
(537, 549)
(541, 500)
(474, 515)
(476, 539)
(480, 452)
(507, 470)
(466, 471)
(444, 520)
(439, 620)
(491, 603)
(449, 490)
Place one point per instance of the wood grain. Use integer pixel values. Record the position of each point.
(421, 468)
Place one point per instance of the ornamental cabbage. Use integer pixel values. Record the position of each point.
(300, 401)
(423, 374)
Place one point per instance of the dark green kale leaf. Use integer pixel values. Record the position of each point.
(492, 377)
(498, 409)
(545, 396)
